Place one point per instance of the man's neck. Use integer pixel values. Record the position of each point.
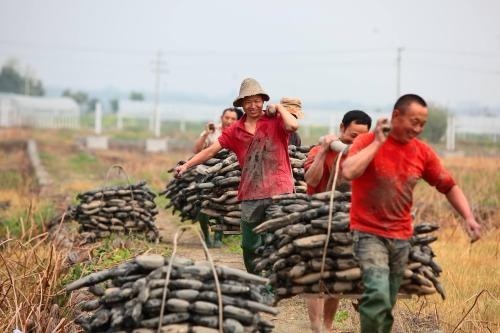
(252, 120)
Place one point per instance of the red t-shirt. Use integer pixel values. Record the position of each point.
(328, 166)
(382, 197)
(263, 157)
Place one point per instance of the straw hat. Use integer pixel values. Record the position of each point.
(293, 105)
(250, 87)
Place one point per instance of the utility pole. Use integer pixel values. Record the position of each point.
(398, 72)
(27, 81)
(158, 69)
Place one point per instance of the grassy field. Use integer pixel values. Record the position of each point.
(32, 269)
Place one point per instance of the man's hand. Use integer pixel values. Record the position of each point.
(473, 229)
(381, 132)
(180, 169)
(271, 110)
(326, 140)
(209, 128)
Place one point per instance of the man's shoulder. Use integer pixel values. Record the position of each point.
(424, 148)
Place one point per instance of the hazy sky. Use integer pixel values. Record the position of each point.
(317, 50)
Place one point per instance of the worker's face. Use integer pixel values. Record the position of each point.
(228, 118)
(349, 133)
(252, 105)
(408, 124)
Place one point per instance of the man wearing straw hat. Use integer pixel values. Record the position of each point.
(260, 141)
(207, 138)
(319, 172)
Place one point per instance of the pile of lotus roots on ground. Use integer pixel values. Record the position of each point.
(212, 188)
(120, 209)
(294, 236)
(129, 298)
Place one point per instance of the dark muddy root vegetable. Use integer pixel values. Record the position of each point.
(294, 238)
(121, 209)
(211, 189)
(128, 298)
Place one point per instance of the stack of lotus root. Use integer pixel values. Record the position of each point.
(131, 296)
(212, 188)
(298, 156)
(294, 236)
(120, 209)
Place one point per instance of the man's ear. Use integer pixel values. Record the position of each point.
(342, 128)
(396, 113)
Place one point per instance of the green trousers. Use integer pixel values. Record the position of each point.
(382, 262)
(252, 214)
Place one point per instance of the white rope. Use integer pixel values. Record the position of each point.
(169, 271)
(329, 230)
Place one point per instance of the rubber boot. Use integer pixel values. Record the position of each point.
(218, 239)
(203, 219)
(375, 303)
(394, 284)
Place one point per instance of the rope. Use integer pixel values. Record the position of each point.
(329, 230)
(182, 229)
(122, 171)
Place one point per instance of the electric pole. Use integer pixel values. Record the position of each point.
(398, 72)
(158, 69)
(27, 81)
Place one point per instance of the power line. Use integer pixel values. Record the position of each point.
(456, 52)
(191, 53)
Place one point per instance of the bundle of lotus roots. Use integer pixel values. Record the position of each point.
(212, 188)
(294, 239)
(130, 298)
(120, 209)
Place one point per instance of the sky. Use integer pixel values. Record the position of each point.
(321, 51)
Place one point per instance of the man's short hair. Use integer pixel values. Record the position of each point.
(358, 117)
(404, 101)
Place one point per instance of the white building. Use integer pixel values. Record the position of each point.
(42, 112)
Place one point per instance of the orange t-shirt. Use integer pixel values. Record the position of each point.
(383, 195)
(328, 166)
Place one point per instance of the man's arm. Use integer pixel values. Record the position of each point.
(201, 157)
(314, 173)
(200, 142)
(458, 200)
(291, 123)
(355, 165)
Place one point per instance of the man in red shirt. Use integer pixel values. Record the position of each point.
(319, 168)
(260, 141)
(384, 169)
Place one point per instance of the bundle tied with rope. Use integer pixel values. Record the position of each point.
(153, 293)
(211, 188)
(307, 248)
(119, 209)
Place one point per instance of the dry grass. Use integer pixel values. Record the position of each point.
(469, 272)
(479, 179)
(29, 273)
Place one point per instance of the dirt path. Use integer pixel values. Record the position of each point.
(293, 313)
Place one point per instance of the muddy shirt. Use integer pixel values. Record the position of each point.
(328, 166)
(382, 197)
(263, 157)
